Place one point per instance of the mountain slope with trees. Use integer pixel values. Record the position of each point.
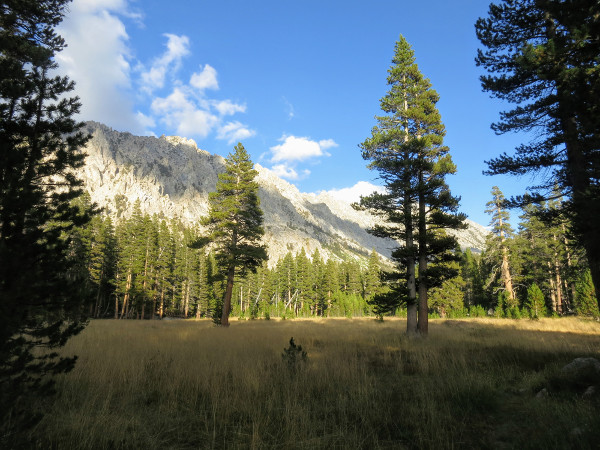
(171, 176)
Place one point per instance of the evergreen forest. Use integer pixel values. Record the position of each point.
(147, 267)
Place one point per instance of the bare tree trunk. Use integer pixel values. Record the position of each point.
(227, 297)
(162, 300)
(571, 284)
(127, 295)
(423, 319)
(186, 305)
(553, 299)
(505, 269)
(558, 281)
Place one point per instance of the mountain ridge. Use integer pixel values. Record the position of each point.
(173, 176)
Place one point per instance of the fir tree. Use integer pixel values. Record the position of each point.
(543, 55)
(535, 302)
(406, 148)
(585, 300)
(501, 231)
(234, 222)
(40, 305)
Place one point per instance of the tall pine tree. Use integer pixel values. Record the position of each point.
(234, 222)
(543, 56)
(39, 151)
(406, 148)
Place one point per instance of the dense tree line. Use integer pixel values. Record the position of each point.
(537, 270)
(542, 56)
(145, 267)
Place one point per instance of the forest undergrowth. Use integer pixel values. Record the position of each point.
(180, 384)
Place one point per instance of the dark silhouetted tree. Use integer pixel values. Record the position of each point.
(40, 149)
(543, 55)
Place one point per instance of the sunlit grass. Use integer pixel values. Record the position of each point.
(189, 384)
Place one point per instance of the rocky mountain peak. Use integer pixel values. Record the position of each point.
(171, 176)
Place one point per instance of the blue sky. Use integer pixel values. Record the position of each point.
(297, 82)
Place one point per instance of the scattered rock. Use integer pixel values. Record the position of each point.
(542, 394)
(576, 432)
(590, 392)
(582, 371)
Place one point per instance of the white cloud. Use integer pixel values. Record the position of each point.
(353, 194)
(234, 132)
(178, 111)
(227, 107)
(299, 149)
(145, 120)
(170, 60)
(98, 59)
(327, 143)
(285, 171)
(124, 93)
(205, 79)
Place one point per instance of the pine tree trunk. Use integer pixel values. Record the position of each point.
(570, 285)
(162, 301)
(553, 302)
(186, 305)
(506, 277)
(227, 297)
(578, 178)
(423, 319)
(127, 295)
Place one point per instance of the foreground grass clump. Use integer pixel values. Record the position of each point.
(188, 384)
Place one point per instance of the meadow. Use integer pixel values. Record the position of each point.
(188, 384)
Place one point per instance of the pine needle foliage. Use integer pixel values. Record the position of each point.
(40, 301)
(407, 149)
(543, 56)
(235, 223)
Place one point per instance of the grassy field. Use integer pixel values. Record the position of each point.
(188, 384)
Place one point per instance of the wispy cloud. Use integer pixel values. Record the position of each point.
(290, 108)
(170, 60)
(353, 193)
(234, 131)
(289, 173)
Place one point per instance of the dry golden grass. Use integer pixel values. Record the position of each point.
(189, 384)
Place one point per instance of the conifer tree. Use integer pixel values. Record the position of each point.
(372, 279)
(102, 261)
(535, 302)
(501, 231)
(406, 148)
(586, 300)
(543, 55)
(40, 150)
(234, 222)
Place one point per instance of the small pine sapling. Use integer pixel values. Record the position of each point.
(294, 355)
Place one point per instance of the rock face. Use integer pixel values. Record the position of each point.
(170, 175)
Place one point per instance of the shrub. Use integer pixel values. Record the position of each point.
(294, 356)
